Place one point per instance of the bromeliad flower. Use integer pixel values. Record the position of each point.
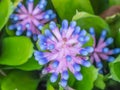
(31, 19)
(64, 51)
(101, 50)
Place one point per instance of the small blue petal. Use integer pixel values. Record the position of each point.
(49, 12)
(28, 25)
(19, 32)
(84, 52)
(86, 63)
(11, 27)
(100, 71)
(65, 75)
(63, 83)
(19, 27)
(46, 16)
(64, 24)
(52, 16)
(39, 57)
(77, 30)
(29, 33)
(16, 18)
(40, 27)
(78, 76)
(72, 24)
(89, 49)
(51, 46)
(43, 47)
(43, 2)
(20, 4)
(109, 41)
(42, 7)
(12, 16)
(99, 65)
(68, 58)
(87, 38)
(48, 33)
(105, 50)
(55, 64)
(116, 50)
(76, 67)
(38, 53)
(42, 38)
(16, 9)
(54, 77)
(30, 1)
(52, 25)
(42, 61)
(83, 33)
(35, 37)
(81, 39)
(92, 31)
(110, 59)
(103, 34)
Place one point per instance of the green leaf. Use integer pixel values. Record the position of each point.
(117, 39)
(61, 88)
(1, 78)
(16, 50)
(114, 23)
(115, 69)
(97, 5)
(19, 80)
(49, 86)
(86, 20)
(114, 2)
(89, 76)
(5, 11)
(99, 83)
(15, 2)
(71, 79)
(30, 65)
(67, 8)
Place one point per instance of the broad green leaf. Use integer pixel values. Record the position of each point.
(114, 23)
(67, 8)
(6, 7)
(115, 69)
(30, 65)
(86, 21)
(89, 76)
(20, 80)
(114, 2)
(61, 88)
(1, 78)
(71, 79)
(117, 39)
(99, 83)
(49, 86)
(97, 5)
(16, 50)
(15, 2)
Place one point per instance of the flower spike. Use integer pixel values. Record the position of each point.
(31, 19)
(101, 50)
(64, 51)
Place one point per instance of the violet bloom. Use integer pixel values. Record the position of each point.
(101, 50)
(31, 19)
(64, 51)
